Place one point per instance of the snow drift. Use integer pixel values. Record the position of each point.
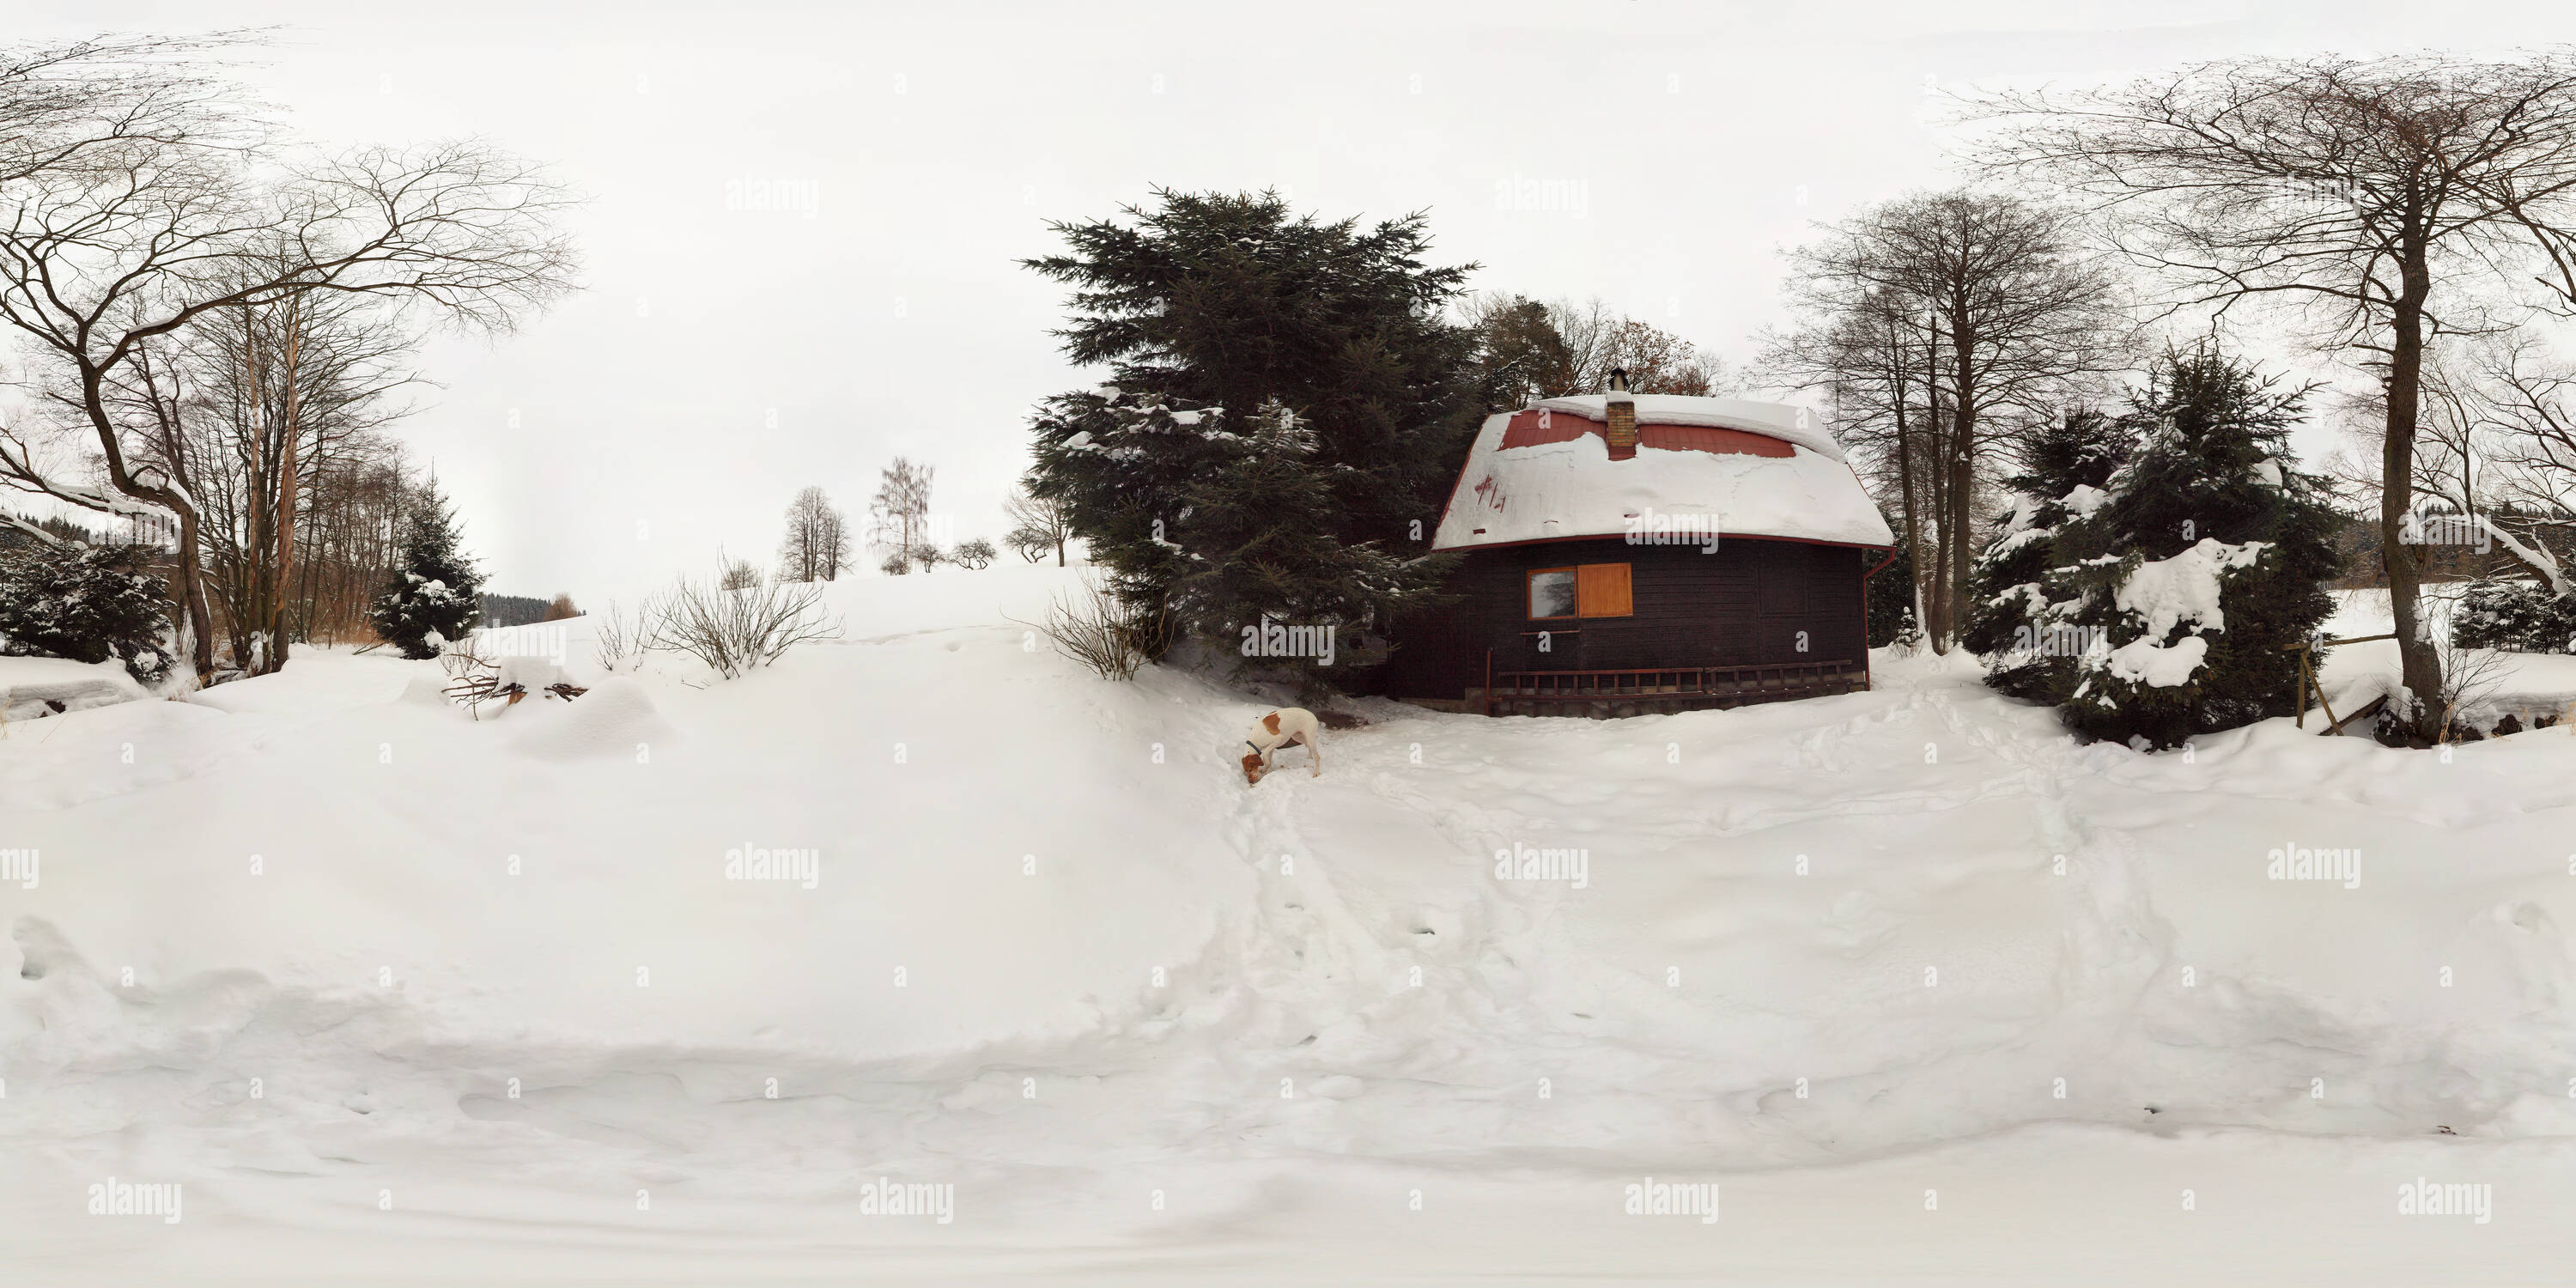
(930, 904)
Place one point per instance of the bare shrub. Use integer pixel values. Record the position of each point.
(1114, 639)
(737, 629)
(620, 636)
(472, 679)
(2470, 674)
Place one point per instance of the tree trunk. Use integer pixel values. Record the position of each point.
(2421, 664)
(1963, 470)
(1942, 628)
(1905, 478)
(190, 587)
(276, 658)
(190, 591)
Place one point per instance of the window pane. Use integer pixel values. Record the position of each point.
(1552, 593)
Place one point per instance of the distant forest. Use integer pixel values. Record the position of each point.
(512, 610)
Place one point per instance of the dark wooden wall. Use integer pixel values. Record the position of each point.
(1745, 603)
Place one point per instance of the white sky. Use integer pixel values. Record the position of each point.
(721, 358)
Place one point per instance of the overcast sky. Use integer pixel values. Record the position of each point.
(1656, 154)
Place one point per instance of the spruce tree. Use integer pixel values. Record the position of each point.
(1242, 546)
(2207, 555)
(1215, 316)
(2065, 466)
(435, 591)
(2521, 616)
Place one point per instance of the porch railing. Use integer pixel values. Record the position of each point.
(1743, 683)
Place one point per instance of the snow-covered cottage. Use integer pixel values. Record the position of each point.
(1640, 553)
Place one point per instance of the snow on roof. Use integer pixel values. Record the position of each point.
(1789, 424)
(1542, 491)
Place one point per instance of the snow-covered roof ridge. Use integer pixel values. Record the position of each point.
(1787, 422)
(1571, 488)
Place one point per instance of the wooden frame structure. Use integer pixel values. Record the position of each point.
(2306, 649)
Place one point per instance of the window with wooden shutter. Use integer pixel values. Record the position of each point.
(1602, 590)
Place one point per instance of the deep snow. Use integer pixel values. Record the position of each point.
(1153, 1025)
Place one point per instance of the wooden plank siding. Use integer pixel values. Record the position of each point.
(1744, 604)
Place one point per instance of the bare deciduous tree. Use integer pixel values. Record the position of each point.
(816, 541)
(1552, 349)
(1945, 323)
(1038, 525)
(2372, 192)
(138, 197)
(899, 514)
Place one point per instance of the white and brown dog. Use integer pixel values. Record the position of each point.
(1277, 730)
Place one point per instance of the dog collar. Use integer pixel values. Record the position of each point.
(1256, 747)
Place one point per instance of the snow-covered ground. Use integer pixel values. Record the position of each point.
(1922, 988)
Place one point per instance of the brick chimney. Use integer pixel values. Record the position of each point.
(1623, 417)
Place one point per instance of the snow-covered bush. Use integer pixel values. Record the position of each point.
(2518, 616)
(735, 630)
(2170, 600)
(84, 602)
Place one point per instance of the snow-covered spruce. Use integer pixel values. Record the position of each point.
(435, 592)
(1234, 544)
(2169, 599)
(88, 603)
(2068, 463)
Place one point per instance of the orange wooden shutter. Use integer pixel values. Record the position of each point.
(1601, 590)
